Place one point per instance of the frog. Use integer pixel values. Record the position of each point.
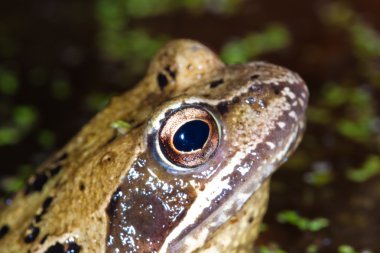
(187, 171)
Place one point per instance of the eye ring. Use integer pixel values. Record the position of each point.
(189, 137)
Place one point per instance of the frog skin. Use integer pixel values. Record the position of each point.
(145, 188)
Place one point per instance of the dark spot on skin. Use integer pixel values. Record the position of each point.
(235, 100)
(73, 248)
(37, 218)
(31, 234)
(64, 248)
(4, 230)
(254, 77)
(277, 90)
(162, 80)
(250, 220)
(36, 183)
(82, 187)
(47, 203)
(44, 239)
(44, 208)
(57, 248)
(62, 157)
(216, 83)
(55, 170)
(222, 107)
(171, 72)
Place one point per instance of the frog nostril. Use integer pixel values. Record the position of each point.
(191, 136)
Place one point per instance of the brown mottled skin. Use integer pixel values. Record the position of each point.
(260, 108)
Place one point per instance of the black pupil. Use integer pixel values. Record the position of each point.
(191, 136)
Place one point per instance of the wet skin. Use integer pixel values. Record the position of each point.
(191, 174)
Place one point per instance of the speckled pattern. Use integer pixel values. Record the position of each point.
(69, 204)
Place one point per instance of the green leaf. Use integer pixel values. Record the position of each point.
(60, 89)
(274, 37)
(346, 249)
(121, 126)
(370, 168)
(46, 139)
(9, 135)
(312, 248)
(24, 116)
(8, 82)
(305, 224)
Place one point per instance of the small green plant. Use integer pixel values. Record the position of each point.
(304, 224)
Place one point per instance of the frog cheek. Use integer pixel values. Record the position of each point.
(187, 139)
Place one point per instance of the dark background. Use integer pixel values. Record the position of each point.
(60, 61)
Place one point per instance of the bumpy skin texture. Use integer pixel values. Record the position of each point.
(65, 204)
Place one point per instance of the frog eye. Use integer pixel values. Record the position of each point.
(189, 137)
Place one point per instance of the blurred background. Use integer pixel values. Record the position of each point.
(60, 62)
